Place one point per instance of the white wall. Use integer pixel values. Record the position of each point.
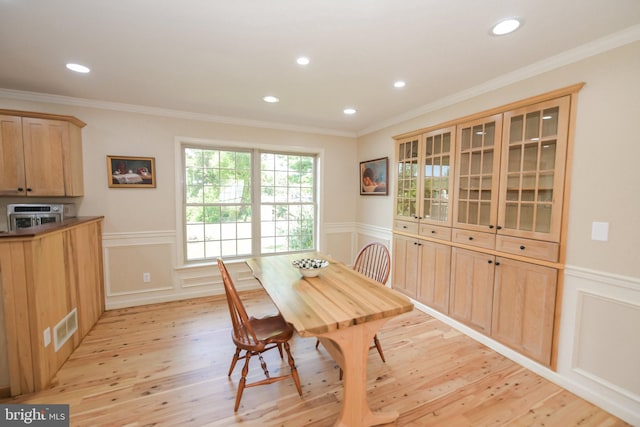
(602, 279)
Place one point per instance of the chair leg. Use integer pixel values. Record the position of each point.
(379, 347)
(243, 381)
(280, 350)
(294, 371)
(234, 361)
(317, 343)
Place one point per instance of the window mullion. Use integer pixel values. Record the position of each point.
(256, 189)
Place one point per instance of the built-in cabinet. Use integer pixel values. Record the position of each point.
(40, 155)
(53, 293)
(479, 207)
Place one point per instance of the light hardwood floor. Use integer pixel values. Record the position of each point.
(166, 364)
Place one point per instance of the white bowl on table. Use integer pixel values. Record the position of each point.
(310, 267)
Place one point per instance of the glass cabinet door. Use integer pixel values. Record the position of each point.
(407, 191)
(437, 176)
(476, 179)
(532, 176)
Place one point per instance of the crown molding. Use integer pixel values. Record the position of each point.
(162, 112)
(610, 42)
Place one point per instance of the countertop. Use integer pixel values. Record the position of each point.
(48, 228)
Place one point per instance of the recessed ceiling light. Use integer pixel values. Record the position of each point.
(505, 27)
(271, 99)
(303, 60)
(78, 68)
(349, 111)
(399, 84)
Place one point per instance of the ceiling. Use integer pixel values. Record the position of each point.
(217, 59)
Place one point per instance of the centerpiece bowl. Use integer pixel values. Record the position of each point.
(310, 267)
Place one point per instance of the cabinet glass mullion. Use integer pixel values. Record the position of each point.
(536, 139)
(436, 161)
(407, 179)
(476, 192)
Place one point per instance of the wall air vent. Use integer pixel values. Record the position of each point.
(65, 329)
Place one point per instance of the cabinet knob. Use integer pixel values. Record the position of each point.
(433, 231)
(470, 238)
(497, 263)
(491, 227)
(404, 226)
(20, 189)
(28, 189)
(522, 247)
(489, 262)
(499, 227)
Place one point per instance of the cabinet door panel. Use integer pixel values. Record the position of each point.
(471, 295)
(405, 265)
(11, 156)
(435, 275)
(532, 174)
(437, 162)
(408, 184)
(524, 307)
(476, 188)
(43, 156)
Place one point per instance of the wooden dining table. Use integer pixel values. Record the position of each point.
(344, 310)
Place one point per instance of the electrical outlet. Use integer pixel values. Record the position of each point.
(47, 337)
(146, 277)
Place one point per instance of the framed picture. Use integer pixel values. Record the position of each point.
(374, 177)
(131, 172)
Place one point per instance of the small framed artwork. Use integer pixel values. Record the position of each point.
(374, 179)
(131, 172)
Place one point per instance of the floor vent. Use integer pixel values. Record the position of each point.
(65, 329)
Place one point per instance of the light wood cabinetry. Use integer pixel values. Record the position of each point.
(45, 277)
(425, 177)
(524, 300)
(472, 275)
(502, 223)
(406, 265)
(40, 156)
(422, 270)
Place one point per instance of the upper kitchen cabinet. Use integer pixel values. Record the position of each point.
(40, 155)
(477, 177)
(534, 146)
(425, 177)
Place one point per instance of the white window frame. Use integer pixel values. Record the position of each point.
(234, 145)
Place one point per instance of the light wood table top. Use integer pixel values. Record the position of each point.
(341, 307)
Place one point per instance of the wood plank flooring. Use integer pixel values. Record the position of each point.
(166, 364)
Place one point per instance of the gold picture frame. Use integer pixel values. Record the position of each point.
(131, 172)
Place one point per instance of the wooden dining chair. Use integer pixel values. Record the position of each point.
(254, 337)
(374, 261)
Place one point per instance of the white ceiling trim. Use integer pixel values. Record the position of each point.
(629, 35)
(162, 112)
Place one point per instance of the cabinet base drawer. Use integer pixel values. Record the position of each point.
(474, 238)
(405, 227)
(435, 231)
(537, 249)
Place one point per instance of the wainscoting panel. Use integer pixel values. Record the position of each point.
(127, 256)
(600, 339)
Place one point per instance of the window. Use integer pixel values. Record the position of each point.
(226, 216)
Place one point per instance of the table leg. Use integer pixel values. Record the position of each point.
(350, 348)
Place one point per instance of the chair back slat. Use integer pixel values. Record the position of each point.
(242, 330)
(374, 261)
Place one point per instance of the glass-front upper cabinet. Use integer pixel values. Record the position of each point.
(533, 166)
(437, 176)
(477, 180)
(407, 182)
